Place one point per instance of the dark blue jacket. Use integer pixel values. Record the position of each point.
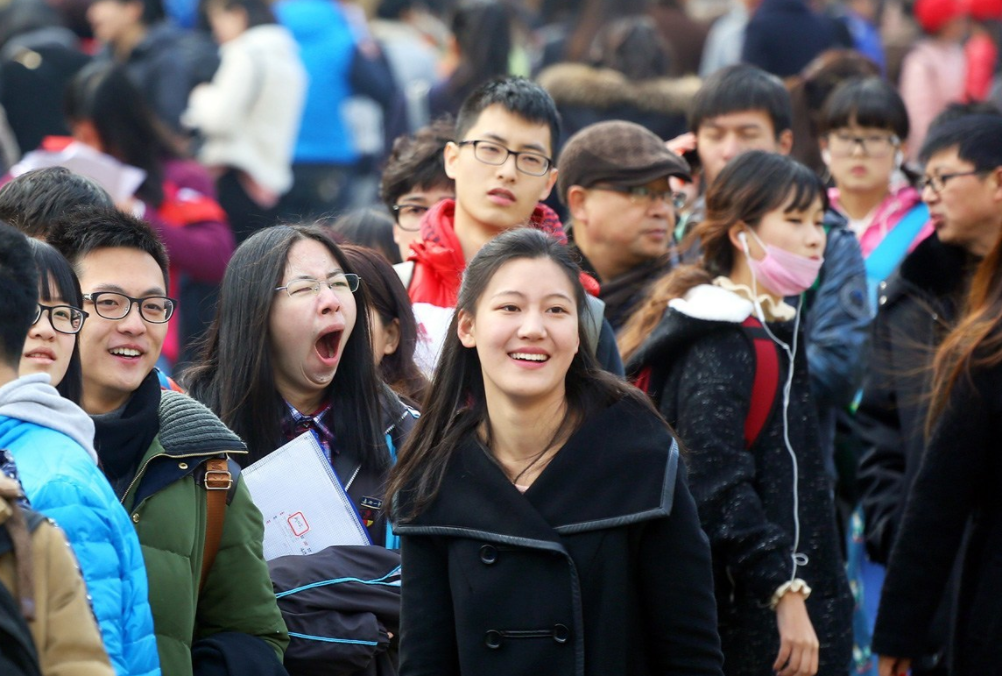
(783, 36)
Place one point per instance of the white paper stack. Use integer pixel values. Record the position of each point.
(305, 509)
(120, 180)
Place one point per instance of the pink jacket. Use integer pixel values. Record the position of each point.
(932, 76)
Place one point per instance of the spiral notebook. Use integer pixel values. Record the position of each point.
(304, 506)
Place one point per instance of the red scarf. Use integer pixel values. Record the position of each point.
(438, 257)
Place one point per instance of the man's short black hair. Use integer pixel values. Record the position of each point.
(977, 138)
(417, 162)
(84, 230)
(33, 200)
(738, 89)
(18, 293)
(518, 96)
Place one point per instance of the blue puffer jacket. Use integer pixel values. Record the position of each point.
(51, 443)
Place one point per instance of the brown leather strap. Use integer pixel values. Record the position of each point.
(217, 482)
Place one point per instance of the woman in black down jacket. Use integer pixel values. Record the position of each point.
(955, 492)
(545, 522)
(764, 498)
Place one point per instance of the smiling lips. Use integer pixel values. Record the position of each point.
(126, 352)
(529, 358)
(41, 354)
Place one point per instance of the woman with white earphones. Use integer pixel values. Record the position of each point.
(716, 345)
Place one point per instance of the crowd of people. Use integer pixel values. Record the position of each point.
(622, 353)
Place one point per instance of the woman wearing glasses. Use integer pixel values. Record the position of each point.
(864, 124)
(51, 345)
(289, 352)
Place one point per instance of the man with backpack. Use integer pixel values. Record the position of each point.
(166, 455)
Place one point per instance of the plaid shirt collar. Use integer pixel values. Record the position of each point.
(295, 423)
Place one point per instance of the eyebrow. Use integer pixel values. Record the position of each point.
(337, 271)
(152, 291)
(504, 142)
(512, 292)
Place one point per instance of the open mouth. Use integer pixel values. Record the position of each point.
(41, 355)
(529, 357)
(126, 352)
(327, 345)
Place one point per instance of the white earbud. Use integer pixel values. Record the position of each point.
(743, 237)
(826, 156)
(899, 159)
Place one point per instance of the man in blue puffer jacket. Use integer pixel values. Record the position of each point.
(51, 441)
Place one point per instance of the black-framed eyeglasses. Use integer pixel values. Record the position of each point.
(114, 305)
(488, 152)
(413, 213)
(63, 318)
(303, 288)
(873, 145)
(937, 183)
(641, 193)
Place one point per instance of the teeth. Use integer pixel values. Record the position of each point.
(528, 357)
(125, 352)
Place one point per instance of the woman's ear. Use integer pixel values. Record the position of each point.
(466, 330)
(392, 331)
(738, 236)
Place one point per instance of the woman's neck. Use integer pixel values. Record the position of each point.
(741, 274)
(522, 433)
(858, 204)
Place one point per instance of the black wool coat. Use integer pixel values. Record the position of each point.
(958, 488)
(702, 377)
(600, 567)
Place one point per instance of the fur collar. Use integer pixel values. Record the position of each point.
(577, 84)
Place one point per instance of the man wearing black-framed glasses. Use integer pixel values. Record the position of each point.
(164, 453)
(614, 181)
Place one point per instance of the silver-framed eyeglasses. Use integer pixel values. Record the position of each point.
(488, 152)
(843, 144)
(304, 288)
(642, 194)
(937, 183)
(114, 305)
(63, 318)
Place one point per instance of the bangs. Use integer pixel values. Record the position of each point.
(867, 103)
(805, 188)
(54, 270)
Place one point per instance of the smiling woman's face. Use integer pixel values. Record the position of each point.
(307, 332)
(45, 349)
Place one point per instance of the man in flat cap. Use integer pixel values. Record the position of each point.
(614, 181)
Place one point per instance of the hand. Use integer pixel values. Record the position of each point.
(682, 144)
(893, 666)
(798, 644)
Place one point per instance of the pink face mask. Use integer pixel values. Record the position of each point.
(782, 272)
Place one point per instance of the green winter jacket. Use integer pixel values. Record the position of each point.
(169, 512)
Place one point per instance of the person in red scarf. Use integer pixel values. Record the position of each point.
(503, 164)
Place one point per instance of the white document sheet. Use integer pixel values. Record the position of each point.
(305, 509)
(120, 180)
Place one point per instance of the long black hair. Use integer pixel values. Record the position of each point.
(103, 94)
(234, 376)
(456, 405)
(56, 271)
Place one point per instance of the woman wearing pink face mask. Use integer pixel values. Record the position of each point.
(721, 352)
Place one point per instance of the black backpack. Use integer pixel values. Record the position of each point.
(18, 656)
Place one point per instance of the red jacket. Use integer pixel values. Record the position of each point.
(438, 257)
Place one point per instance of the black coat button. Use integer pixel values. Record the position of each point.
(493, 639)
(488, 554)
(561, 633)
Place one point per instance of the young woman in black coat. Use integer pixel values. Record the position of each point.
(956, 491)
(764, 498)
(545, 522)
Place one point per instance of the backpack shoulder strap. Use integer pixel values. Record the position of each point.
(766, 383)
(217, 480)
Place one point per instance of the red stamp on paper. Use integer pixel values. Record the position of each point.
(298, 524)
